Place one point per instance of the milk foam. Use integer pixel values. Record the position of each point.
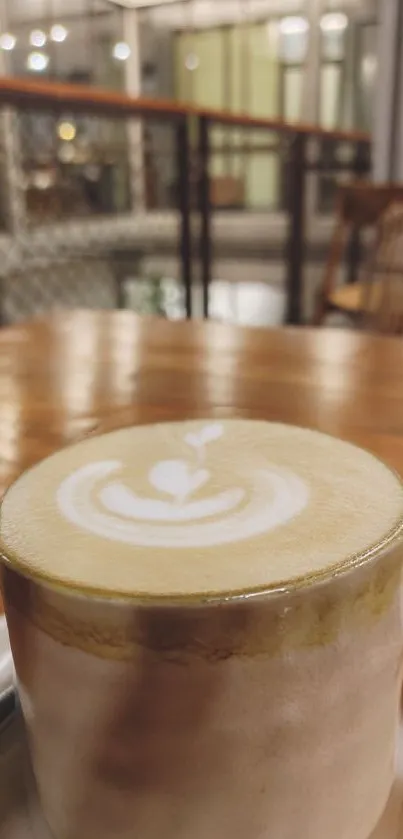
(198, 507)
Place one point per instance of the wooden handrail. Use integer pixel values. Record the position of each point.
(94, 100)
(281, 126)
(61, 97)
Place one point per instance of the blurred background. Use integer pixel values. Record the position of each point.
(89, 201)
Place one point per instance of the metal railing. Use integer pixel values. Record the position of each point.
(187, 148)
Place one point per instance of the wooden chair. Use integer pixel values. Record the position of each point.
(360, 206)
(383, 287)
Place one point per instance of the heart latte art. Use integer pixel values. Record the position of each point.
(176, 514)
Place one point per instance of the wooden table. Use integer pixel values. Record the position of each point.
(70, 375)
(81, 372)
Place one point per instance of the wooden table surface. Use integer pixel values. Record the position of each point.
(81, 372)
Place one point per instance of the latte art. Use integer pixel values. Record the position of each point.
(196, 508)
(92, 498)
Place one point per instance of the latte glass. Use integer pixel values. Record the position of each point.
(206, 625)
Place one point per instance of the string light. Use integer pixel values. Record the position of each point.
(7, 41)
(58, 33)
(37, 61)
(121, 51)
(37, 38)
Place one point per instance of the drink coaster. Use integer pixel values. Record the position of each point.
(20, 815)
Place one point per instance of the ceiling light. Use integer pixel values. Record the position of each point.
(334, 22)
(293, 25)
(37, 38)
(66, 131)
(37, 61)
(58, 33)
(7, 41)
(121, 51)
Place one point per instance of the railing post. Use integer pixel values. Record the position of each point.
(361, 166)
(205, 244)
(295, 247)
(184, 204)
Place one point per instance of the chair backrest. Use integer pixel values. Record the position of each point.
(360, 205)
(383, 294)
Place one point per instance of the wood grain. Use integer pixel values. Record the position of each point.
(81, 373)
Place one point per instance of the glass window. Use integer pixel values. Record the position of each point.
(256, 67)
(78, 46)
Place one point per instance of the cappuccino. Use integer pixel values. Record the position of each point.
(199, 509)
(206, 624)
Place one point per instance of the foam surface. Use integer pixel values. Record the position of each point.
(198, 507)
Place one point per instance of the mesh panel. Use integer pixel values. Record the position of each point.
(76, 283)
(86, 213)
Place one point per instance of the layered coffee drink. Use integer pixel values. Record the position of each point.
(206, 624)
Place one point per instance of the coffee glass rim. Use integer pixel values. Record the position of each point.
(9, 558)
(139, 598)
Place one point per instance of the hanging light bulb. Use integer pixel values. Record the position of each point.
(58, 33)
(121, 51)
(293, 25)
(37, 61)
(37, 38)
(7, 41)
(334, 22)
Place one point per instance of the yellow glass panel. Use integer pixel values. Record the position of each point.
(184, 81)
(262, 180)
(238, 97)
(209, 85)
(330, 95)
(293, 93)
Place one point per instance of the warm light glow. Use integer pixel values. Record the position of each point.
(66, 153)
(58, 33)
(42, 180)
(293, 25)
(7, 41)
(121, 51)
(334, 22)
(37, 38)
(37, 61)
(66, 131)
